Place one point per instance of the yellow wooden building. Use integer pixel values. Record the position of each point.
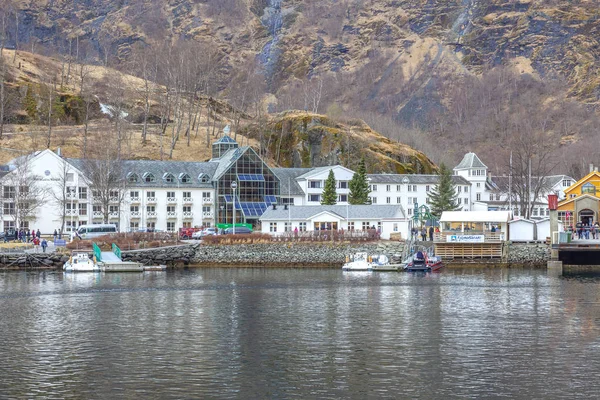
(582, 201)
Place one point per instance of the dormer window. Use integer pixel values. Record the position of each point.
(203, 178)
(588, 188)
(185, 178)
(132, 178)
(168, 177)
(148, 177)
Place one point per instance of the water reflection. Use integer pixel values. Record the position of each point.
(277, 333)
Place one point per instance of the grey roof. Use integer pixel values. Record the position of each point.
(414, 179)
(470, 160)
(356, 212)
(287, 178)
(159, 168)
(226, 160)
(225, 139)
(501, 182)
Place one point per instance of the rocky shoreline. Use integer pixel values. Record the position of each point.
(278, 254)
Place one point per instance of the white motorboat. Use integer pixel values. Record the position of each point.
(80, 261)
(357, 262)
(381, 262)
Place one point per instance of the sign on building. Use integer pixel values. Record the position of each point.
(465, 238)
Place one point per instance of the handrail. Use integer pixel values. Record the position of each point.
(116, 250)
(97, 252)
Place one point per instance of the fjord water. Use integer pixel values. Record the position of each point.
(299, 333)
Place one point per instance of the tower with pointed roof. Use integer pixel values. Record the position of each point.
(475, 171)
(222, 146)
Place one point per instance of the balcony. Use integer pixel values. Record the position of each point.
(114, 199)
(171, 214)
(151, 214)
(72, 196)
(188, 200)
(207, 200)
(150, 199)
(113, 215)
(135, 214)
(207, 214)
(171, 200)
(83, 216)
(97, 215)
(134, 200)
(71, 213)
(188, 215)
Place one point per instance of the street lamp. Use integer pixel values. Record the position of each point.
(233, 187)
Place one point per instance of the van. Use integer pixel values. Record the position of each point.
(87, 232)
(239, 230)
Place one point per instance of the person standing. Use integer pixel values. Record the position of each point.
(44, 245)
(423, 234)
(38, 234)
(32, 234)
(55, 235)
(28, 236)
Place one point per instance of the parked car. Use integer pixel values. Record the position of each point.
(10, 234)
(188, 233)
(239, 230)
(205, 232)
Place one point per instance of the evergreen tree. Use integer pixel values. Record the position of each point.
(30, 103)
(329, 193)
(443, 197)
(359, 187)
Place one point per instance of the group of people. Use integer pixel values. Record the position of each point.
(424, 233)
(585, 230)
(26, 236)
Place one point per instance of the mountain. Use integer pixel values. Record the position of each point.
(410, 62)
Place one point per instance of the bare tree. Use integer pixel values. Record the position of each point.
(23, 194)
(105, 178)
(62, 191)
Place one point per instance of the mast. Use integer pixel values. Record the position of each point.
(510, 184)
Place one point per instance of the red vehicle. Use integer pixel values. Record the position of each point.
(186, 233)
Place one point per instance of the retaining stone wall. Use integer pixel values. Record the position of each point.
(37, 260)
(532, 253)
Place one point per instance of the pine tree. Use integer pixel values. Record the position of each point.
(359, 187)
(329, 193)
(443, 197)
(30, 103)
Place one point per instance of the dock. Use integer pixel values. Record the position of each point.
(111, 261)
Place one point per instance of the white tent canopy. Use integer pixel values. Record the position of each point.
(476, 216)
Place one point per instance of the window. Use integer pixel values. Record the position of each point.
(9, 225)
(343, 198)
(302, 226)
(466, 200)
(150, 208)
(134, 226)
(170, 226)
(187, 209)
(588, 188)
(8, 209)
(547, 212)
(388, 188)
(203, 178)
(478, 184)
(498, 196)
(415, 200)
(314, 184)
(566, 182)
(148, 177)
(70, 176)
(134, 194)
(398, 187)
(398, 200)
(187, 195)
(395, 227)
(151, 226)
(374, 188)
(170, 195)
(150, 194)
(466, 189)
(427, 201)
(388, 200)
(491, 197)
(365, 226)
(410, 200)
(82, 209)
(458, 189)
(169, 178)
(134, 208)
(287, 200)
(272, 226)
(205, 195)
(414, 188)
(97, 208)
(187, 224)
(409, 187)
(287, 226)
(535, 212)
(170, 209)
(132, 178)
(206, 209)
(374, 200)
(185, 178)
(478, 197)
(314, 197)
(427, 188)
(343, 184)
(83, 193)
(350, 226)
(459, 201)
(9, 192)
(572, 196)
(410, 211)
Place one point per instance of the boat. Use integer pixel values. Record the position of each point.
(424, 263)
(357, 262)
(381, 263)
(80, 261)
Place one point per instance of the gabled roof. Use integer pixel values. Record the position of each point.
(227, 160)
(548, 182)
(414, 179)
(470, 160)
(582, 181)
(287, 178)
(159, 169)
(318, 170)
(354, 212)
